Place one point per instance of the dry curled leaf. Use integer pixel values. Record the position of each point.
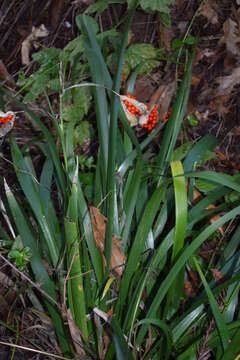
(75, 334)
(218, 275)
(231, 37)
(98, 221)
(227, 83)
(207, 9)
(191, 284)
(36, 33)
(163, 97)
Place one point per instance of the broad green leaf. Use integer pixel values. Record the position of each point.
(144, 54)
(102, 5)
(157, 5)
(180, 192)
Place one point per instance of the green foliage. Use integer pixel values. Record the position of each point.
(47, 77)
(157, 5)
(192, 121)
(101, 5)
(142, 198)
(21, 257)
(138, 54)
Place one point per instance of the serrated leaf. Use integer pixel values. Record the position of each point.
(75, 47)
(38, 86)
(46, 55)
(81, 104)
(83, 132)
(144, 54)
(54, 84)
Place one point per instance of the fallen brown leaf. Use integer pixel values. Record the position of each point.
(188, 289)
(221, 156)
(118, 258)
(231, 37)
(143, 88)
(163, 97)
(75, 334)
(36, 33)
(167, 36)
(219, 104)
(217, 275)
(227, 83)
(191, 284)
(197, 196)
(207, 9)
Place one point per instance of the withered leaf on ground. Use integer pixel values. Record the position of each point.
(36, 33)
(197, 196)
(207, 9)
(99, 221)
(163, 97)
(227, 83)
(218, 275)
(231, 37)
(75, 334)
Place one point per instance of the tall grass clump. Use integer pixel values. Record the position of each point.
(142, 212)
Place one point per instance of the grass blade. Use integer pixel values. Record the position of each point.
(234, 348)
(122, 352)
(31, 192)
(222, 328)
(175, 120)
(39, 270)
(52, 146)
(112, 144)
(189, 251)
(180, 191)
(139, 241)
(75, 281)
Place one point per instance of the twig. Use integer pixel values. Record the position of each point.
(34, 350)
(37, 286)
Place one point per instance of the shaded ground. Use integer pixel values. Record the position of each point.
(214, 100)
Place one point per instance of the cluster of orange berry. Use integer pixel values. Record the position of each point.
(152, 120)
(131, 108)
(166, 116)
(6, 120)
(152, 117)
